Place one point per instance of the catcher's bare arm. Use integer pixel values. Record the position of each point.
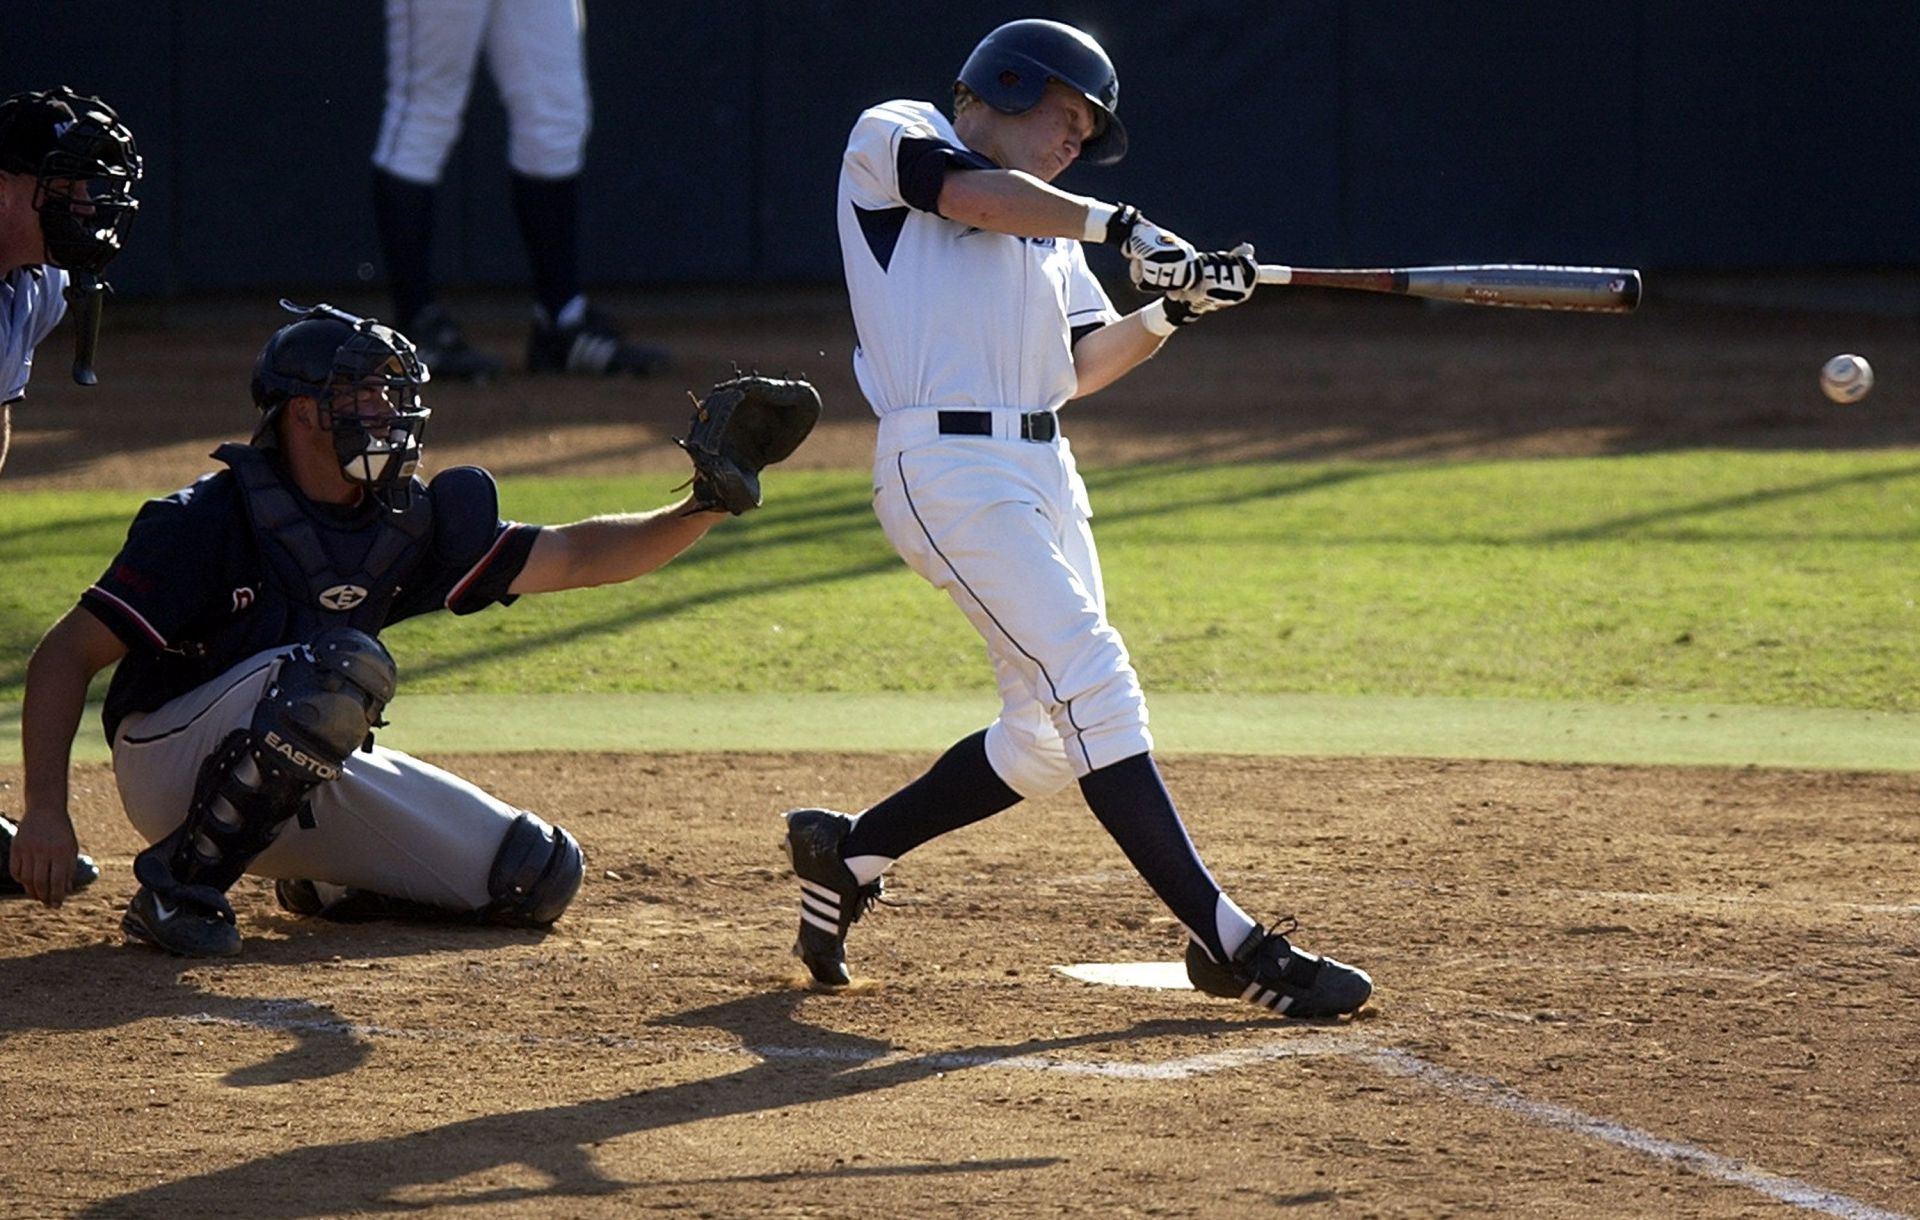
(65, 661)
(608, 550)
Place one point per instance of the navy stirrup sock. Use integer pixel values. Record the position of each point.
(1132, 802)
(404, 212)
(960, 789)
(548, 210)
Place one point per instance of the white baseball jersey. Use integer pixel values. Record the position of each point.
(30, 307)
(948, 315)
(965, 348)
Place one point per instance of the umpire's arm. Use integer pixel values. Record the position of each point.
(608, 550)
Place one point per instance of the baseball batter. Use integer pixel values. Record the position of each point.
(977, 320)
(244, 613)
(68, 167)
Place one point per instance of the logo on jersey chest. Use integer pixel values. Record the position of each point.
(242, 598)
(342, 597)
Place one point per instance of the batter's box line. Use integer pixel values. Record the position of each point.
(286, 1016)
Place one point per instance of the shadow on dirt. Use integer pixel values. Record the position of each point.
(807, 1064)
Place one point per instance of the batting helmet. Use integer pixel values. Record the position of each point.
(84, 160)
(1010, 69)
(329, 353)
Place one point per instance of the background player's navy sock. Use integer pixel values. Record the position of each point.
(960, 789)
(548, 210)
(1132, 802)
(404, 212)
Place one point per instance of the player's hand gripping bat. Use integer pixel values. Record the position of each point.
(1514, 285)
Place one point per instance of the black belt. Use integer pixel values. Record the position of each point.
(1040, 426)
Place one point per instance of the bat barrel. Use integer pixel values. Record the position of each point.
(1529, 287)
(1514, 285)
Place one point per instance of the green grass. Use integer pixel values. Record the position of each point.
(1781, 579)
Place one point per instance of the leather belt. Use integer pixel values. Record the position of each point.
(1041, 426)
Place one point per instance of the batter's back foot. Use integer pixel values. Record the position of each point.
(831, 900)
(1269, 970)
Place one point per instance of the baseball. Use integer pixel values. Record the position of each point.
(1846, 378)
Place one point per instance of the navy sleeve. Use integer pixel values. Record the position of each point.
(475, 555)
(172, 574)
(922, 166)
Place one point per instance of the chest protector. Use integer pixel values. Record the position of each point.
(319, 576)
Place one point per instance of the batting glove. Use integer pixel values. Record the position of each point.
(1158, 260)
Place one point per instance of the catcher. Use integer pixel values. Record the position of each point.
(244, 615)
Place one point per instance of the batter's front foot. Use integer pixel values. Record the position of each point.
(830, 898)
(1270, 971)
(182, 927)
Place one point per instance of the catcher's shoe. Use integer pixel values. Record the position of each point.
(85, 871)
(188, 929)
(594, 347)
(830, 899)
(1269, 971)
(444, 349)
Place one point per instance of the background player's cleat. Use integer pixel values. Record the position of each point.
(1269, 971)
(830, 899)
(85, 871)
(188, 929)
(443, 348)
(594, 347)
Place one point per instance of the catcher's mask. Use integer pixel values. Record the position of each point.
(365, 378)
(85, 166)
(1010, 69)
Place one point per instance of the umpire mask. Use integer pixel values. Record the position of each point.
(85, 167)
(366, 379)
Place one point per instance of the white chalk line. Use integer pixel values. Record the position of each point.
(285, 1016)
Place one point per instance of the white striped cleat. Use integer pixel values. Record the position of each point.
(1269, 971)
(830, 899)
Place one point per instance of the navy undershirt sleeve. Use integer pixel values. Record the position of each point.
(922, 166)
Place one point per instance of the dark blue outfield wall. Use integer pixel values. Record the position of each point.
(1684, 134)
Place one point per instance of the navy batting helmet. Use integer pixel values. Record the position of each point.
(329, 354)
(86, 166)
(1010, 69)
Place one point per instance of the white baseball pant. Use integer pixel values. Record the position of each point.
(1001, 526)
(536, 55)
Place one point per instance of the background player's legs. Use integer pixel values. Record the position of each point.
(433, 47)
(537, 55)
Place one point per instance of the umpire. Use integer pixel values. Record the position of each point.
(244, 613)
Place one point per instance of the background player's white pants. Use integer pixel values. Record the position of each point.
(390, 823)
(1000, 525)
(536, 56)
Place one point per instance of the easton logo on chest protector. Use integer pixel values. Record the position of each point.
(342, 597)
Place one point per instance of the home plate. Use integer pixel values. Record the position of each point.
(1165, 976)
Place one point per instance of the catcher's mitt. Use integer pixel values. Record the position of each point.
(739, 428)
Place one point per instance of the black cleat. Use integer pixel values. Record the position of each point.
(830, 899)
(1269, 971)
(85, 871)
(444, 349)
(190, 929)
(593, 348)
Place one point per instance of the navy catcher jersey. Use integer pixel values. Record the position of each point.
(30, 307)
(192, 570)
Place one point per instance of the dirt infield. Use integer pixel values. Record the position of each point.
(1602, 991)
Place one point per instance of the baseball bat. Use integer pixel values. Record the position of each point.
(1514, 285)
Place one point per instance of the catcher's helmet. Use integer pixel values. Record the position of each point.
(86, 166)
(338, 359)
(1010, 69)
